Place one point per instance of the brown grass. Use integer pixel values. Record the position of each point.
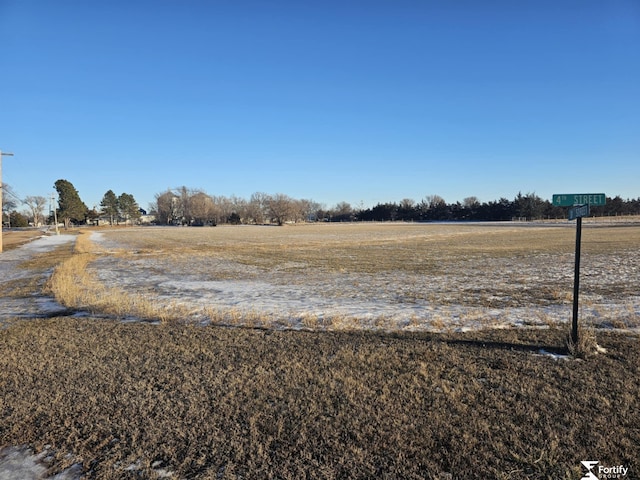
(74, 287)
(206, 402)
(586, 346)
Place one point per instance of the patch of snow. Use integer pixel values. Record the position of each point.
(555, 356)
(21, 463)
(156, 466)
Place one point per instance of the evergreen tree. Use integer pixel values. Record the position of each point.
(17, 219)
(128, 207)
(109, 205)
(71, 208)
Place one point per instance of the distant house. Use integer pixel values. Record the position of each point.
(146, 219)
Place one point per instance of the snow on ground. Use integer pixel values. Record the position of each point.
(21, 463)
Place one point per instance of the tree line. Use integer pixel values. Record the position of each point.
(195, 207)
(524, 207)
(186, 206)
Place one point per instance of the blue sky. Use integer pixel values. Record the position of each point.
(356, 101)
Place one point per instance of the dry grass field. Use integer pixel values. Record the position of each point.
(327, 393)
(391, 277)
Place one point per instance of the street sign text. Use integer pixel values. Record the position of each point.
(570, 199)
(578, 212)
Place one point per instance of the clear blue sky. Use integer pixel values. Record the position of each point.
(356, 101)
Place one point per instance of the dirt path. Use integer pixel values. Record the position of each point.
(11, 272)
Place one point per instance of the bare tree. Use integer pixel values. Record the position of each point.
(407, 203)
(202, 208)
(433, 201)
(184, 198)
(314, 210)
(307, 210)
(471, 202)
(406, 209)
(298, 210)
(280, 208)
(36, 205)
(342, 212)
(166, 207)
(239, 207)
(223, 207)
(257, 207)
(435, 208)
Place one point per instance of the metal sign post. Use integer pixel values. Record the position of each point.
(579, 203)
(576, 283)
(577, 213)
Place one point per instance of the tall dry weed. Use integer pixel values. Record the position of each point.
(74, 287)
(586, 346)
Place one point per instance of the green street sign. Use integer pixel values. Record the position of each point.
(571, 199)
(579, 211)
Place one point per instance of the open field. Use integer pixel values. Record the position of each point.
(382, 352)
(390, 277)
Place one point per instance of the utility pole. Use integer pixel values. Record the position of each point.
(52, 206)
(1, 209)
